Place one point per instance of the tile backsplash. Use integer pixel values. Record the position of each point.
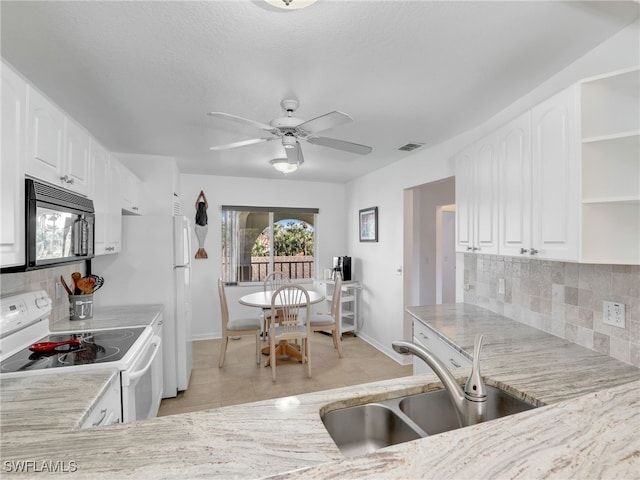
(43, 279)
(564, 299)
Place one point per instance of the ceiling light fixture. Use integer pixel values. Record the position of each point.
(283, 165)
(291, 4)
(289, 141)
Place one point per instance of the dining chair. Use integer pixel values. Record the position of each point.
(236, 327)
(322, 322)
(271, 283)
(290, 320)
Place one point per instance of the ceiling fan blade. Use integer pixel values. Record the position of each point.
(294, 155)
(340, 145)
(246, 121)
(325, 122)
(241, 144)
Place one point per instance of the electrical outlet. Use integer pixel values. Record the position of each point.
(501, 286)
(613, 313)
(58, 290)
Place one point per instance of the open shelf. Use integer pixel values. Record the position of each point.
(611, 233)
(611, 168)
(610, 104)
(629, 200)
(348, 302)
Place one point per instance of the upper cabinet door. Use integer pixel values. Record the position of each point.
(77, 158)
(486, 195)
(14, 94)
(556, 177)
(514, 167)
(100, 194)
(464, 201)
(45, 138)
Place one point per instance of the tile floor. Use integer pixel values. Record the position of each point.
(242, 381)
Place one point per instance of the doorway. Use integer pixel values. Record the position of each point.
(446, 254)
(429, 244)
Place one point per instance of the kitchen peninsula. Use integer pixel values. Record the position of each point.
(588, 429)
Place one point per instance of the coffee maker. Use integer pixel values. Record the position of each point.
(342, 265)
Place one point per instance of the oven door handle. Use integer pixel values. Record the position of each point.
(156, 342)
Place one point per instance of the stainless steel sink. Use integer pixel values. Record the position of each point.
(434, 412)
(366, 428)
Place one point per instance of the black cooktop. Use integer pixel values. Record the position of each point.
(100, 346)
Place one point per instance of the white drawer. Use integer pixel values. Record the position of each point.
(452, 358)
(108, 409)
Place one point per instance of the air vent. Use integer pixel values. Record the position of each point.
(177, 205)
(410, 146)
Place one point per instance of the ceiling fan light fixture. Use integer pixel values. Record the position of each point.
(291, 4)
(289, 141)
(283, 165)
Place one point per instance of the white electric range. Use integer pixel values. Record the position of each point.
(134, 351)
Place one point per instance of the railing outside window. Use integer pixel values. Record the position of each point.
(295, 268)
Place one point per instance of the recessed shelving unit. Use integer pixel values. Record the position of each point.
(610, 119)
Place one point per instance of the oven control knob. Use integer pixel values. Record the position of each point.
(42, 302)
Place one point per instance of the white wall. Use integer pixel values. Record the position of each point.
(331, 237)
(382, 297)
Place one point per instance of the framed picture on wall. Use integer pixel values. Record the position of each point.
(369, 224)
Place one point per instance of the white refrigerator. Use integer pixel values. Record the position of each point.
(154, 268)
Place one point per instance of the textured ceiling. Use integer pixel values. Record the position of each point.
(141, 76)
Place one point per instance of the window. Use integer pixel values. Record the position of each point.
(259, 240)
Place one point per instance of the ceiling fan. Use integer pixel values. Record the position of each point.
(290, 129)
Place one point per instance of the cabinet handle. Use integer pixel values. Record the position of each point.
(454, 363)
(67, 179)
(533, 251)
(134, 208)
(469, 249)
(523, 251)
(104, 414)
(476, 248)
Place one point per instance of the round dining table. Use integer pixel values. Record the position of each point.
(263, 300)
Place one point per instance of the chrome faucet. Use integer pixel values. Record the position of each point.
(470, 404)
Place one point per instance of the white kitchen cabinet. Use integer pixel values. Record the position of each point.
(77, 152)
(14, 95)
(476, 197)
(58, 149)
(610, 121)
(555, 194)
(107, 410)
(348, 311)
(131, 192)
(514, 167)
(464, 200)
(106, 201)
(427, 338)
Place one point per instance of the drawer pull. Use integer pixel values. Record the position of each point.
(104, 414)
(454, 363)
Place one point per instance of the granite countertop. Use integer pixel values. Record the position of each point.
(50, 404)
(589, 428)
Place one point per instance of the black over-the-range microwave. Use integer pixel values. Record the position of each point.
(59, 226)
